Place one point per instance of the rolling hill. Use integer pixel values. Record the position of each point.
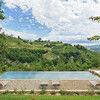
(39, 55)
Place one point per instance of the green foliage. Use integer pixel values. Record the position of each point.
(3, 51)
(96, 37)
(2, 17)
(91, 92)
(58, 49)
(25, 57)
(95, 18)
(63, 92)
(50, 45)
(43, 91)
(15, 90)
(6, 92)
(68, 49)
(98, 92)
(77, 92)
(3, 46)
(32, 92)
(53, 92)
(25, 41)
(31, 43)
(22, 91)
(49, 55)
(80, 47)
(66, 44)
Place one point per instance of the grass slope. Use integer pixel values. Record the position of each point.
(46, 97)
(57, 47)
(19, 43)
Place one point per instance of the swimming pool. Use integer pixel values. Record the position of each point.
(48, 75)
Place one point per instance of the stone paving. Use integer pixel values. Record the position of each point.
(32, 84)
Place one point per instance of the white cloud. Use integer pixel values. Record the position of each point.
(41, 27)
(27, 17)
(23, 35)
(73, 39)
(61, 14)
(10, 18)
(68, 17)
(20, 19)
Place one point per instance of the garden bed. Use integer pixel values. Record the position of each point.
(52, 92)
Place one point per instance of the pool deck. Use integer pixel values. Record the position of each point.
(33, 84)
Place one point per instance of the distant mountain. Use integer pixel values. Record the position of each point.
(95, 48)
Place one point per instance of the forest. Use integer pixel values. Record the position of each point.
(24, 55)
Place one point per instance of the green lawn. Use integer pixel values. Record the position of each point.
(46, 97)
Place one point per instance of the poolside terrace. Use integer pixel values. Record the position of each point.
(34, 84)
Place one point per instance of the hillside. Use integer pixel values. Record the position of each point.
(24, 55)
(95, 48)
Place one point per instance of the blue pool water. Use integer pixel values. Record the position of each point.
(48, 75)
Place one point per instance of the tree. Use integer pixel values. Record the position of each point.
(2, 42)
(39, 39)
(19, 37)
(96, 37)
(1, 12)
(2, 48)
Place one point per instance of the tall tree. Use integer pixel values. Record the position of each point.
(3, 46)
(96, 37)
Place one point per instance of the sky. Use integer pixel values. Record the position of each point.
(55, 20)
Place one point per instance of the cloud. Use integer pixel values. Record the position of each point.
(24, 35)
(68, 17)
(41, 27)
(10, 18)
(61, 14)
(27, 17)
(73, 39)
(20, 19)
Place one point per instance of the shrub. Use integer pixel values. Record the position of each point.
(15, 90)
(22, 91)
(43, 91)
(6, 92)
(25, 41)
(53, 92)
(63, 92)
(18, 42)
(98, 92)
(32, 92)
(76, 92)
(31, 43)
(91, 92)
